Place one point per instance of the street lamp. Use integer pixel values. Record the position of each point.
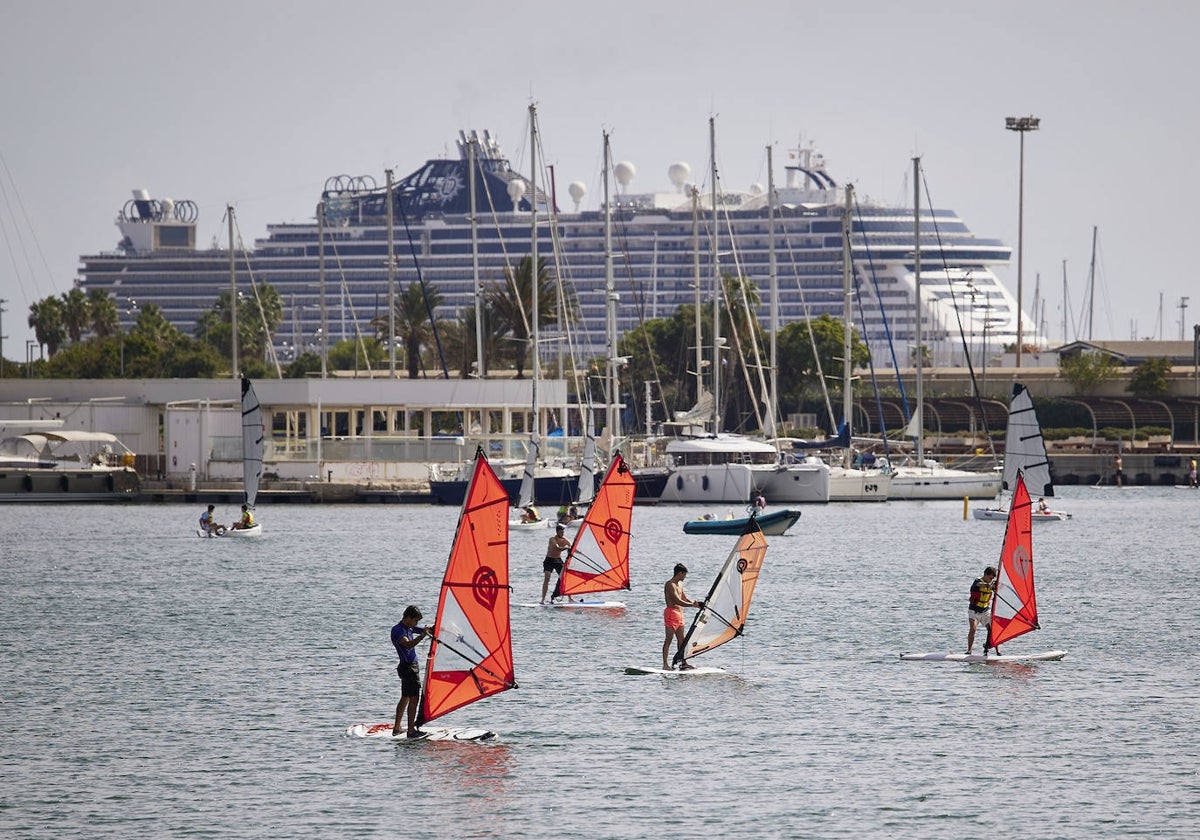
(1021, 125)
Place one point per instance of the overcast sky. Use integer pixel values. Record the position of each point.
(257, 103)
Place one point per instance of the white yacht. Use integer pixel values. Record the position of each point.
(730, 468)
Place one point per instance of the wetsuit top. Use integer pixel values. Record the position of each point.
(408, 655)
(981, 595)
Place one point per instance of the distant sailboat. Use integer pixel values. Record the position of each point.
(470, 657)
(1025, 454)
(252, 462)
(723, 615)
(1014, 603)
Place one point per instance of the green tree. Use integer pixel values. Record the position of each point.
(800, 378)
(414, 327)
(46, 319)
(1149, 379)
(352, 354)
(254, 311)
(304, 364)
(1085, 371)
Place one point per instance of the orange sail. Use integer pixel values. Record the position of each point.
(1014, 607)
(728, 602)
(599, 557)
(471, 654)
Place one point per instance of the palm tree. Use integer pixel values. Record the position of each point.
(414, 326)
(104, 316)
(46, 319)
(76, 314)
(511, 305)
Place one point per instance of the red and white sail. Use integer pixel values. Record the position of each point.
(471, 654)
(1014, 604)
(599, 556)
(728, 602)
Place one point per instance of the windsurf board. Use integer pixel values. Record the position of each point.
(580, 605)
(700, 671)
(428, 733)
(1043, 656)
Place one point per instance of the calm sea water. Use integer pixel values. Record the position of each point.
(156, 684)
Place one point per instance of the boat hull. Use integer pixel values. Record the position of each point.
(796, 484)
(1001, 515)
(773, 524)
(852, 485)
(67, 485)
(923, 483)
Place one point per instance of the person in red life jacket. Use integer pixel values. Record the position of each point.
(406, 636)
(673, 616)
(979, 609)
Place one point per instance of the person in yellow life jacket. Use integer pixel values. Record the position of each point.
(247, 520)
(979, 609)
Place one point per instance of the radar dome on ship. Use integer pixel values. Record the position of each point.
(678, 173)
(516, 189)
(624, 172)
(578, 190)
(756, 189)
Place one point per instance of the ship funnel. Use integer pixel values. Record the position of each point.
(578, 190)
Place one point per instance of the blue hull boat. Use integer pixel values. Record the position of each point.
(773, 524)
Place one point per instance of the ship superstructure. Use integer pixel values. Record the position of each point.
(158, 262)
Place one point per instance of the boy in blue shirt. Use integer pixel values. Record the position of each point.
(406, 636)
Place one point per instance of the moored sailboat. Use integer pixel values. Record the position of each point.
(1014, 603)
(470, 657)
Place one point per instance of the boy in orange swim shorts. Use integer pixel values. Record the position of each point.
(673, 617)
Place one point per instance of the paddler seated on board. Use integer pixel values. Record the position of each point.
(673, 617)
(208, 522)
(554, 563)
(406, 636)
(979, 609)
(247, 520)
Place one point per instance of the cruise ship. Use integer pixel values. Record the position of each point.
(433, 238)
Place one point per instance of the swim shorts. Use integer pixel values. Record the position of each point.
(410, 679)
(551, 564)
(673, 618)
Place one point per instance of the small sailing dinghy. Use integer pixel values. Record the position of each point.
(1025, 452)
(528, 519)
(470, 657)
(252, 462)
(599, 557)
(723, 616)
(1014, 604)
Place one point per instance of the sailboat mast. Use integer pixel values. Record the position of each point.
(919, 310)
(847, 320)
(391, 279)
(612, 420)
(321, 282)
(716, 263)
(1092, 284)
(472, 164)
(772, 270)
(233, 325)
(533, 261)
(696, 287)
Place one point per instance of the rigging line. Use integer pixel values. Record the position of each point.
(345, 290)
(808, 319)
(975, 392)
(588, 561)
(412, 247)
(854, 277)
(32, 231)
(262, 315)
(474, 664)
(887, 330)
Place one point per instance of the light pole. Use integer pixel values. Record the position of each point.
(1021, 125)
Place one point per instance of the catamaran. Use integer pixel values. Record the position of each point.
(252, 462)
(1014, 604)
(470, 657)
(722, 617)
(599, 557)
(1025, 453)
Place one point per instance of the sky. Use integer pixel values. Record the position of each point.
(255, 104)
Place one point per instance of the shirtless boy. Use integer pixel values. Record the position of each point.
(673, 616)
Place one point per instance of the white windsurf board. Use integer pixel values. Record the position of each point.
(700, 671)
(580, 605)
(1043, 656)
(428, 733)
